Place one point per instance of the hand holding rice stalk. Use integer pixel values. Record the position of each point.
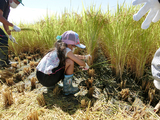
(23, 29)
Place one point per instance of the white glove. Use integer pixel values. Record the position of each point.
(12, 39)
(87, 57)
(86, 67)
(17, 29)
(153, 15)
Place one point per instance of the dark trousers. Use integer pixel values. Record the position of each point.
(3, 48)
(51, 79)
(3, 38)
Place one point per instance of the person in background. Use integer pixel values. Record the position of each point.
(153, 6)
(155, 69)
(4, 13)
(58, 63)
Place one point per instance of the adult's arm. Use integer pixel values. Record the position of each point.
(5, 23)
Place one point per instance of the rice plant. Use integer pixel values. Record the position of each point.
(121, 39)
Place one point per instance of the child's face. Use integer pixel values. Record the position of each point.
(72, 47)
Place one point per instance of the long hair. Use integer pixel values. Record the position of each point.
(61, 51)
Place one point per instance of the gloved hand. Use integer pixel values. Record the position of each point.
(12, 39)
(86, 67)
(153, 15)
(17, 29)
(87, 57)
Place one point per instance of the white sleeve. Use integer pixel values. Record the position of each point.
(155, 65)
(67, 50)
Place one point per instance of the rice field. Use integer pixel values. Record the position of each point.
(120, 50)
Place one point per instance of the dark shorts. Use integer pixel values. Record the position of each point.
(50, 80)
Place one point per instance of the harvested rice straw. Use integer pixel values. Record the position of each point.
(87, 111)
(41, 100)
(33, 116)
(8, 98)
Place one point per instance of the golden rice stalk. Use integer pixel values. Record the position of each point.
(22, 56)
(33, 56)
(83, 103)
(9, 81)
(124, 93)
(151, 94)
(123, 84)
(20, 88)
(27, 71)
(9, 57)
(87, 111)
(91, 72)
(41, 100)
(57, 90)
(18, 77)
(33, 116)
(33, 82)
(31, 63)
(89, 82)
(148, 86)
(25, 62)
(90, 92)
(16, 58)
(8, 98)
(29, 57)
(14, 65)
(6, 74)
(37, 55)
(35, 64)
(144, 84)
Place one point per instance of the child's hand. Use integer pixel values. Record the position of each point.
(87, 57)
(85, 67)
(153, 15)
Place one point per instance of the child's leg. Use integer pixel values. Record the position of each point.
(67, 82)
(69, 67)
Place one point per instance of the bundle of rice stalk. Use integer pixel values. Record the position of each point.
(31, 63)
(18, 77)
(57, 90)
(41, 100)
(20, 88)
(91, 72)
(9, 81)
(8, 98)
(25, 62)
(16, 58)
(89, 83)
(33, 116)
(14, 65)
(33, 82)
(27, 71)
(4, 74)
(90, 92)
